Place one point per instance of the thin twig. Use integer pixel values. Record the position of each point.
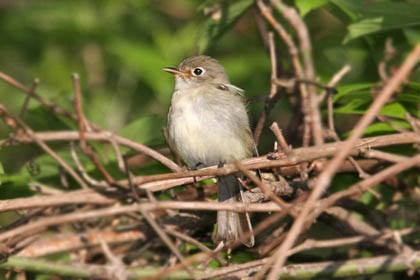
(325, 177)
(82, 170)
(35, 83)
(5, 113)
(280, 138)
(266, 190)
(176, 205)
(82, 121)
(167, 241)
(270, 101)
(194, 242)
(123, 141)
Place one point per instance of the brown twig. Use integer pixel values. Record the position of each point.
(28, 98)
(82, 121)
(194, 242)
(325, 177)
(71, 241)
(266, 190)
(334, 80)
(123, 141)
(280, 138)
(310, 107)
(74, 197)
(166, 240)
(271, 100)
(4, 113)
(176, 205)
(371, 153)
(333, 134)
(165, 181)
(243, 270)
(293, 52)
(118, 269)
(82, 170)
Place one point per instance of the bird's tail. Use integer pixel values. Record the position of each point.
(232, 226)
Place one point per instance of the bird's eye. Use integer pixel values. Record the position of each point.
(198, 71)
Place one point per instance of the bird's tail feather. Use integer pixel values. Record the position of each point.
(232, 226)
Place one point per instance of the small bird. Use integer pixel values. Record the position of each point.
(208, 125)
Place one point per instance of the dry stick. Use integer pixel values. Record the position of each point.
(121, 161)
(414, 122)
(82, 120)
(123, 141)
(85, 197)
(79, 109)
(335, 79)
(297, 23)
(325, 177)
(270, 101)
(202, 258)
(384, 156)
(309, 244)
(176, 205)
(43, 188)
(331, 126)
(329, 269)
(5, 113)
(292, 270)
(165, 238)
(280, 138)
(193, 241)
(85, 174)
(293, 52)
(338, 76)
(297, 156)
(28, 98)
(360, 187)
(71, 241)
(165, 181)
(118, 269)
(262, 28)
(51, 106)
(333, 133)
(74, 197)
(362, 227)
(266, 190)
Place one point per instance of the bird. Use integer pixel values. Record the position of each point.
(208, 125)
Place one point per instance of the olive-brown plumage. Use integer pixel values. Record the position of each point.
(208, 125)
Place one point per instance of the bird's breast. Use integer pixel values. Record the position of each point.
(204, 131)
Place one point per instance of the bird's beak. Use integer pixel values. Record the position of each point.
(175, 71)
(172, 70)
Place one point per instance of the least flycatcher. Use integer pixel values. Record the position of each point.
(208, 125)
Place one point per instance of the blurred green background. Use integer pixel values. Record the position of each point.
(120, 47)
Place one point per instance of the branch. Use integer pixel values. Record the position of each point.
(325, 177)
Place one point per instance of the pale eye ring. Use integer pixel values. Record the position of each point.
(198, 71)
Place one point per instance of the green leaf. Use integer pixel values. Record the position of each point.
(146, 129)
(352, 90)
(378, 16)
(223, 15)
(395, 110)
(381, 128)
(306, 6)
(357, 106)
(412, 35)
(409, 97)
